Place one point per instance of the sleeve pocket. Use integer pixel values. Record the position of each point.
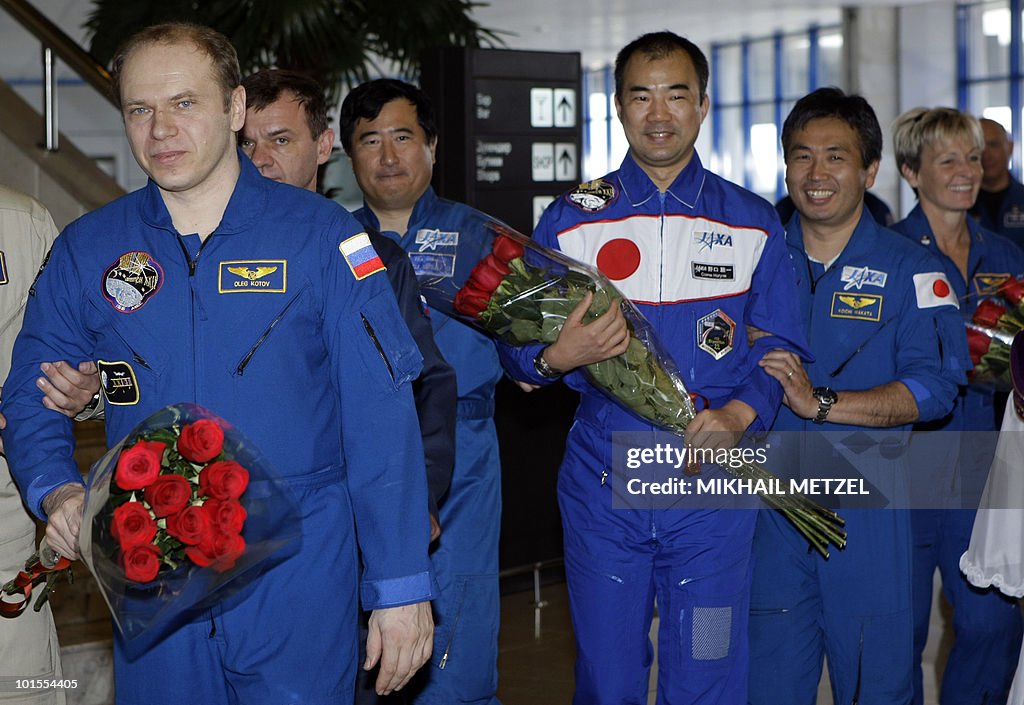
(387, 335)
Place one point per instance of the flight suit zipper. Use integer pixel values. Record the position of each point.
(244, 362)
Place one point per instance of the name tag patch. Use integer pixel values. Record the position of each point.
(723, 272)
(988, 284)
(117, 380)
(269, 276)
(432, 264)
(860, 307)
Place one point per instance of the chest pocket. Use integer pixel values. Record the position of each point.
(261, 335)
(127, 338)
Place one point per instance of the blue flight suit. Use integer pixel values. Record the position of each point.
(867, 327)
(701, 260)
(986, 624)
(1009, 221)
(465, 561)
(268, 324)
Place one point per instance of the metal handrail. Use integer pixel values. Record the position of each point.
(55, 41)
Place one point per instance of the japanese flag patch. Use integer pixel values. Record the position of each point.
(362, 259)
(933, 290)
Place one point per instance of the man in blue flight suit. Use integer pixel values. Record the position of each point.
(702, 259)
(286, 134)
(389, 131)
(884, 330)
(1000, 203)
(144, 286)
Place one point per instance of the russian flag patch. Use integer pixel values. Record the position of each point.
(362, 259)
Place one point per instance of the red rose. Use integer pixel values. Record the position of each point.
(168, 494)
(1012, 290)
(496, 264)
(470, 301)
(485, 277)
(988, 313)
(132, 525)
(227, 516)
(224, 479)
(220, 551)
(978, 344)
(190, 526)
(201, 441)
(138, 466)
(141, 563)
(506, 249)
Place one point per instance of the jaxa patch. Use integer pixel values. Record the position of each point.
(3, 269)
(859, 307)
(857, 277)
(362, 259)
(592, 196)
(132, 280)
(709, 240)
(266, 276)
(715, 334)
(988, 284)
(117, 380)
(429, 239)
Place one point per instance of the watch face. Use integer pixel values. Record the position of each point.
(824, 394)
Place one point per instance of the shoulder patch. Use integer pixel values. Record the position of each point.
(593, 196)
(933, 289)
(360, 256)
(3, 269)
(132, 280)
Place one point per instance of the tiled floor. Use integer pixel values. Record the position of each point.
(536, 650)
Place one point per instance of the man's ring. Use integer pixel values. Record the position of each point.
(790, 374)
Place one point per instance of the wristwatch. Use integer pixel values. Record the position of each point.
(826, 399)
(543, 368)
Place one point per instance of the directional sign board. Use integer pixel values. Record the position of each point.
(509, 127)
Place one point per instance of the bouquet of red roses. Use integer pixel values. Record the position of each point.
(990, 333)
(516, 290)
(177, 511)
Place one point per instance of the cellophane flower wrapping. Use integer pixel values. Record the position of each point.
(165, 544)
(514, 289)
(992, 325)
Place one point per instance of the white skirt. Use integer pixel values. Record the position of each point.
(995, 557)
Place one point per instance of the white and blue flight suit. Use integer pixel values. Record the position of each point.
(702, 260)
(881, 312)
(986, 624)
(279, 323)
(465, 560)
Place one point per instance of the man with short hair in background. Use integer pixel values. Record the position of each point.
(1000, 204)
(287, 136)
(389, 131)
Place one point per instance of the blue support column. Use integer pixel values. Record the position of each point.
(778, 117)
(748, 159)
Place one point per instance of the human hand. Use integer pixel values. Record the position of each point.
(720, 429)
(63, 507)
(401, 639)
(787, 368)
(582, 343)
(66, 389)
